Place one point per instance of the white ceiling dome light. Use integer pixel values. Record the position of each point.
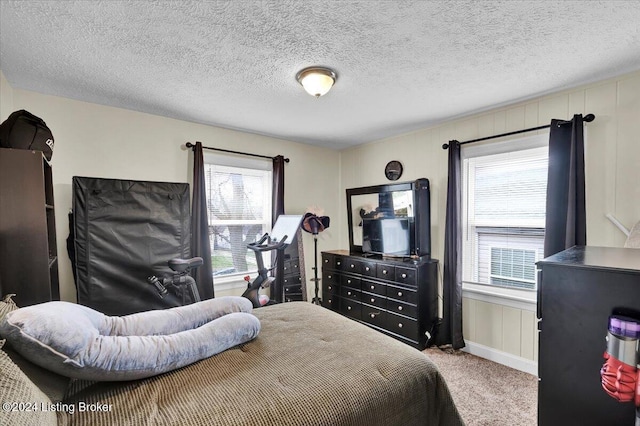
(317, 81)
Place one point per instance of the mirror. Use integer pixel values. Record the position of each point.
(376, 202)
(395, 204)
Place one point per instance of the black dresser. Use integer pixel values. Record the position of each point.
(578, 289)
(396, 297)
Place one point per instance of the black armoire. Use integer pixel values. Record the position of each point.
(579, 289)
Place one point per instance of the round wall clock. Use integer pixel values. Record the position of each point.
(393, 170)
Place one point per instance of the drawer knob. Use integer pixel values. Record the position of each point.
(400, 294)
(338, 263)
(348, 281)
(373, 287)
(326, 261)
(399, 308)
(384, 272)
(348, 308)
(366, 268)
(404, 275)
(353, 266)
(329, 276)
(348, 293)
(373, 300)
(399, 325)
(372, 315)
(329, 287)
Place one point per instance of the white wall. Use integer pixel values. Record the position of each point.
(6, 97)
(100, 141)
(612, 185)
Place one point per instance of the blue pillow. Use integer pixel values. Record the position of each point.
(79, 342)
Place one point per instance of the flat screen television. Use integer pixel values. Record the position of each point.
(387, 236)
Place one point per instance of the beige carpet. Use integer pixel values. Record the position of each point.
(487, 393)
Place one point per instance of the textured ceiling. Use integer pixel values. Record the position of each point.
(401, 65)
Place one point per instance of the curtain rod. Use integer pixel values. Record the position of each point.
(190, 145)
(588, 118)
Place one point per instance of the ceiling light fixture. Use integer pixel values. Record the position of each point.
(317, 81)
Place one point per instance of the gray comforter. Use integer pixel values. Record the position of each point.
(308, 366)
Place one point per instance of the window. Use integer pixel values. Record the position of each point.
(239, 210)
(504, 195)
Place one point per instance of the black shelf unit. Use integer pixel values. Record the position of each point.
(28, 251)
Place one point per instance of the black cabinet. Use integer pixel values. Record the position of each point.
(28, 252)
(396, 297)
(578, 290)
(292, 282)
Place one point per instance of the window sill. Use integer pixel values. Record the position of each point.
(230, 282)
(519, 299)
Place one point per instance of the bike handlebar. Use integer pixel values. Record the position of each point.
(259, 246)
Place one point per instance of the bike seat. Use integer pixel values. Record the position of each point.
(181, 265)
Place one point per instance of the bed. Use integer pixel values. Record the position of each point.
(308, 366)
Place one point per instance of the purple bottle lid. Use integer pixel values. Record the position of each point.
(624, 326)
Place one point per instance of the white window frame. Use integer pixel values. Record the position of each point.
(257, 167)
(520, 298)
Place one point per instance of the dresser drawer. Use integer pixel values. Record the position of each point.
(352, 265)
(349, 293)
(402, 308)
(402, 294)
(350, 308)
(406, 275)
(374, 316)
(348, 281)
(373, 287)
(330, 277)
(368, 269)
(293, 297)
(403, 326)
(290, 289)
(291, 267)
(291, 280)
(330, 301)
(332, 261)
(374, 300)
(330, 288)
(385, 272)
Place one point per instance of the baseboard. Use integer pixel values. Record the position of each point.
(515, 362)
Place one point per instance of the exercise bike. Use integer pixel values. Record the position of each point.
(185, 286)
(263, 280)
(278, 240)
